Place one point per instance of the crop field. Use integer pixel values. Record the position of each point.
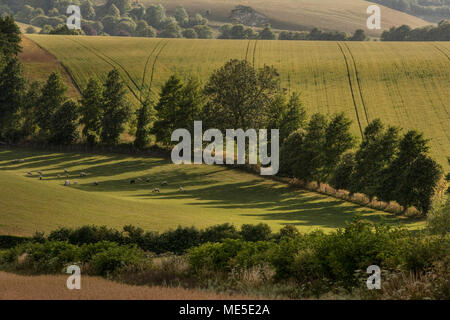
(404, 84)
(342, 15)
(213, 195)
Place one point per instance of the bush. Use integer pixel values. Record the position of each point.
(7, 242)
(115, 259)
(259, 232)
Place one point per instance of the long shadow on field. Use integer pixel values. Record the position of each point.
(204, 188)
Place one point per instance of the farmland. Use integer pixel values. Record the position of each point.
(214, 195)
(344, 15)
(404, 84)
(53, 287)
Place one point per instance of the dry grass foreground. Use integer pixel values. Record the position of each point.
(38, 64)
(50, 287)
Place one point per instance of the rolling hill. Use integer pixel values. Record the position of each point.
(404, 84)
(342, 15)
(213, 195)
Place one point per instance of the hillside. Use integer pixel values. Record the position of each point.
(342, 15)
(404, 84)
(214, 195)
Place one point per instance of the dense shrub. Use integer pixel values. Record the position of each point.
(259, 232)
(7, 242)
(116, 258)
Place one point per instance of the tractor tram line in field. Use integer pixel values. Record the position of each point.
(359, 83)
(351, 89)
(111, 64)
(442, 50)
(146, 64)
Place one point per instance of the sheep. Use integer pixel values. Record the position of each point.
(164, 183)
(147, 180)
(75, 182)
(156, 190)
(67, 176)
(139, 180)
(95, 183)
(83, 174)
(67, 183)
(182, 189)
(59, 176)
(30, 174)
(65, 170)
(133, 182)
(40, 172)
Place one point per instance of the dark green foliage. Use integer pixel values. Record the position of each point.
(359, 35)
(9, 38)
(115, 259)
(237, 31)
(267, 33)
(240, 96)
(441, 32)
(289, 153)
(171, 30)
(116, 109)
(338, 140)
(180, 104)
(373, 157)
(91, 111)
(145, 118)
(203, 31)
(342, 175)
(155, 15)
(64, 125)
(259, 232)
(144, 30)
(52, 97)
(12, 85)
(7, 242)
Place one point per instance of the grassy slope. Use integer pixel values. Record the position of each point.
(52, 287)
(39, 64)
(213, 195)
(342, 15)
(404, 84)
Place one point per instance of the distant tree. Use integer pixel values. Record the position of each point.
(12, 85)
(311, 164)
(341, 177)
(172, 30)
(359, 35)
(155, 15)
(197, 20)
(46, 29)
(289, 152)
(116, 109)
(267, 33)
(338, 140)
(203, 31)
(64, 30)
(145, 118)
(144, 30)
(54, 12)
(180, 104)
(181, 16)
(225, 31)
(259, 232)
(53, 95)
(286, 115)
(137, 12)
(28, 109)
(91, 111)
(239, 95)
(419, 184)
(113, 11)
(127, 25)
(122, 5)
(63, 124)
(30, 30)
(190, 33)
(9, 37)
(87, 10)
(109, 24)
(374, 156)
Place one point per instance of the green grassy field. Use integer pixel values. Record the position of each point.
(342, 15)
(213, 195)
(404, 84)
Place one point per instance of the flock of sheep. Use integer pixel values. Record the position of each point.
(82, 174)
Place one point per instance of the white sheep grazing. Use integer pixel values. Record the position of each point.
(21, 160)
(65, 170)
(30, 174)
(95, 183)
(156, 190)
(67, 183)
(181, 189)
(59, 176)
(164, 183)
(83, 174)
